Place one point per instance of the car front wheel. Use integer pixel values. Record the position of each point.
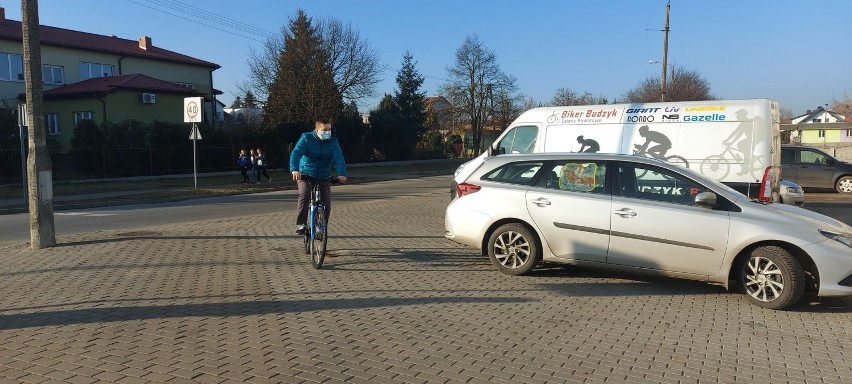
(513, 249)
(772, 278)
(844, 184)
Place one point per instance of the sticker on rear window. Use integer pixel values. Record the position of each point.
(578, 177)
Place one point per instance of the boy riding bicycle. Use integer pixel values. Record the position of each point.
(314, 154)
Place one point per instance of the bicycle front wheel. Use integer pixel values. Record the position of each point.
(319, 239)
(715, 167)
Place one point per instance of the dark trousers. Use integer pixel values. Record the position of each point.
(305, 200)
(262, 169)
(244, 171)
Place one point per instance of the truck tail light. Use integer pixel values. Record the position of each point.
(766, 185)
(466, 189)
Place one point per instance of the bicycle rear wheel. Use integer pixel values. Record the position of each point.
(319, 239)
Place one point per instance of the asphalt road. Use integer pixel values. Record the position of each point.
(15, 227)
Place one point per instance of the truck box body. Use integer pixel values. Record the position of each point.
(732, 141)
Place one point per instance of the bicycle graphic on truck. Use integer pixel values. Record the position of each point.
(717, 167)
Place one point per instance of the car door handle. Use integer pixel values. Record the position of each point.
(625, 212)
(541, 202)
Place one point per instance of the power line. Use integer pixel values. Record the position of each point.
(258, 34)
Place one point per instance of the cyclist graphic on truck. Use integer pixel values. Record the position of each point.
(663, 144)
(588, 145)
(742, 135)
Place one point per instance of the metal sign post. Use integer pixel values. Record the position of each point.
(192, 114)
(22, 123)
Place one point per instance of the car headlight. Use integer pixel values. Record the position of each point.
(844, 238)
(793, 190)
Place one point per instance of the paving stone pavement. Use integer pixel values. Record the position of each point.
(220, 301)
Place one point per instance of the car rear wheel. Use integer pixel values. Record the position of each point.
(772, 278)
(844, 184)
(513, 249)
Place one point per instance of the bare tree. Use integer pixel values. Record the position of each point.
(843, 106)
(472, 82)
(565, 96)
(354, 63)
(682, 85)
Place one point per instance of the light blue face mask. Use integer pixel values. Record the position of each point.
(324, 135)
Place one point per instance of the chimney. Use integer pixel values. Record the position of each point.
(145, 42)
(2, 14)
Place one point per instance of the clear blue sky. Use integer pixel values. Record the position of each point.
(796, 52)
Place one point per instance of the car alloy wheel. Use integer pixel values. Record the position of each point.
(772, 278)
(844, 184)
(513, 249)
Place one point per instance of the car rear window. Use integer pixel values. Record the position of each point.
(515, 173)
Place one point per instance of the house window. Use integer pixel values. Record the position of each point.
(94, 70)
(849, 133)
(821, 133)
(52, 74)
(83, 115)
(188, 85)
(11, 67)
(51, 123)
(816, 121)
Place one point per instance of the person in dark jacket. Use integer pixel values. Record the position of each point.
(244, 163)
(312, 158)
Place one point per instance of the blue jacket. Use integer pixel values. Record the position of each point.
(315, 157)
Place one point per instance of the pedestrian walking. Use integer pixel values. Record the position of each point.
(253, 173)
(262, 164)
(244, 163)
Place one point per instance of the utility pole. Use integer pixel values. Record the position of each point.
(665, 53)
(39, 168)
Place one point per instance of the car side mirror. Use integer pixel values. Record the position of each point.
(705, 199)
(829, 161)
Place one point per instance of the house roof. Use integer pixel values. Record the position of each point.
(805, 118)
(12, 30)
(135, 82)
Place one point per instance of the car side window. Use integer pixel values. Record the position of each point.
(519, 140)
(788, 156)
(515, 173)
(813, 157)
(577, 176)
(651, 183)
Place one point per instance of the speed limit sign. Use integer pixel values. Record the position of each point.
(192, 109)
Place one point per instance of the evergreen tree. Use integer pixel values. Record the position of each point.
(385, 123)
(304, 87)
(249, 101)
(238, 103)
(409, 99)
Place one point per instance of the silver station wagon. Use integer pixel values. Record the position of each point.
(646, 215)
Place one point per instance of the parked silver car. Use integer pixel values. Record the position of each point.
(649, 216)
(792, 193)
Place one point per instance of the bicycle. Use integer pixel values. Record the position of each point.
(718, 166)
(316, 233)
(674, 159)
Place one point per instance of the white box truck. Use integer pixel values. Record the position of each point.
(737, 142)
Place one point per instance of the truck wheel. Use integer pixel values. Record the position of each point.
(772, 278)
(844, 184)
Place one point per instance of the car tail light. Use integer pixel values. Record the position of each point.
(466, 189)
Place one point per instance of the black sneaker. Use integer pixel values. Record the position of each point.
(300, 230)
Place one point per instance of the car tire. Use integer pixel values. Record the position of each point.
(772, 278)
(844, 185)
(514, 249)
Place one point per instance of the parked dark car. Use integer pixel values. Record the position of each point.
(813, 168)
